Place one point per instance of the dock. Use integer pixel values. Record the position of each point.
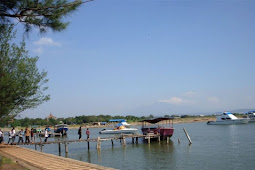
(35, 160)
(122, 138)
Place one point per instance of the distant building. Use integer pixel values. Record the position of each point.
(51, 117)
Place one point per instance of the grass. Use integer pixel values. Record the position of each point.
(6, 163)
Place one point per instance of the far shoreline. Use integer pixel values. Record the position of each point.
(175, 121)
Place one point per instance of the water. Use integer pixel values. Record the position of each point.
(213, 147)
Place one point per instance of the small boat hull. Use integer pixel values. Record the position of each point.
(120, 131)
(164, 132)
(59, 130)
(229, 122)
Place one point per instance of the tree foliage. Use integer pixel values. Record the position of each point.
(22, 85)
(42, 14)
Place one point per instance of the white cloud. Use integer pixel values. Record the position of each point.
(46, 41)
(38, 50)
(173, 100)
(213, 99)
(189, 94)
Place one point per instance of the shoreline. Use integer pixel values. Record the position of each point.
(175, 121)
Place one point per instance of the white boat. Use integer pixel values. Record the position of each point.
(122, 128)
(251, 116)
(119, 131)
(228, 119)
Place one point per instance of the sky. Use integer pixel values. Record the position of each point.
(142, 57)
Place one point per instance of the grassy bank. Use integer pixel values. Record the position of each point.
(7, 164)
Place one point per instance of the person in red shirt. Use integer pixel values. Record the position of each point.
(87, 133)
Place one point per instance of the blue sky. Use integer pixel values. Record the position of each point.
(144, 57)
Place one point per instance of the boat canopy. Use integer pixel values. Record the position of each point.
(156, 120)
(226, 113)
(61, 125)
(117, 120)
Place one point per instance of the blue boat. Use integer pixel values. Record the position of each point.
(61, 128)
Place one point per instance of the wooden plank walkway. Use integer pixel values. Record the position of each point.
(38, 160)
(89, 140)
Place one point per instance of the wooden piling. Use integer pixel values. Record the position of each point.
(98, 143)
(124, 141)
(59, 147)
(179, 140)
(66, 147)
(136, 139)
(159, 138)
(112, 142)
(149, 139)
(167, 139)
(190, 142)
(88, 142)
(41, 144)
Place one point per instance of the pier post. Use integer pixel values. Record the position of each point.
(136, 139)
(159, 138)
(35, 147)
(98, 143)
(66, 147)
(167, 139)
(179, 140)
(59, 147)
(112, 142)
(133, 139)
(41, 144)
(124, 141)
(149, 139)
(190, 142)
(88, 142)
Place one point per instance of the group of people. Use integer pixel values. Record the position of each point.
(80, 133)
(1, 136)
(28, 134)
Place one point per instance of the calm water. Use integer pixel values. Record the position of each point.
(214, 147)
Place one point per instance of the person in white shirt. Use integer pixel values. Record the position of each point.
(46, 135)
(10, 136)
(21, 134)
(13, 135)
(1, 136)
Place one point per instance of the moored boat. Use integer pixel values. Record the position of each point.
(251, 116)
(228, 118)
(61, 128)
(122, 128)
(162, 126)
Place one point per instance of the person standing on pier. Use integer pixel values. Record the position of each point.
(1, 136)
(32, 135)
(27, 135)
(10, 136)
(87, 133)
(13, 135)
(79, 133)
(46, 135)
(21, 134)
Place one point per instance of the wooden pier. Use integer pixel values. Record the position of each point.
(34, 160)
(122, 138)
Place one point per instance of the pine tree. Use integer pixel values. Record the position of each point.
(22, 85)
(43, 14)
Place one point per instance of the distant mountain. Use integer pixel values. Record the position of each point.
(241, 110)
